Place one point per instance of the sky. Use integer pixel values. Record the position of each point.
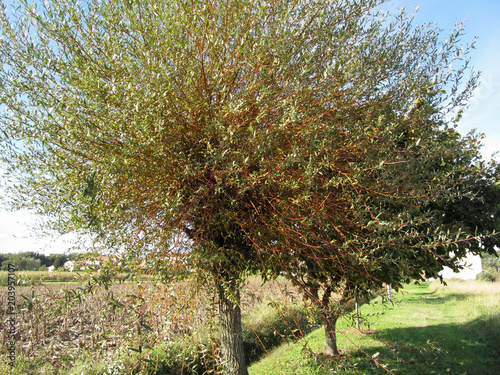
(482, 20)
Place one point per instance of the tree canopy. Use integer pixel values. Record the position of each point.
(272, 134)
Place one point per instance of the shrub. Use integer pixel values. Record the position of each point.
(272, 324)
(181, 357)
(488, 275)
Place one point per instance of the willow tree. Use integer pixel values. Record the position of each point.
(245, 125)
(403, 236)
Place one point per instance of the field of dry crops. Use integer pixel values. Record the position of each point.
(54, 326)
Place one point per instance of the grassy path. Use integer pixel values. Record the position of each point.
(430, 330)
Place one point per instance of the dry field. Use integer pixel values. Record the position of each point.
(54, 326)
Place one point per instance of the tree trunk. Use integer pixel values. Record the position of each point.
(231, 338)
(329, 321)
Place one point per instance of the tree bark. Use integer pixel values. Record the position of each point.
(231, 337)
(329, 321)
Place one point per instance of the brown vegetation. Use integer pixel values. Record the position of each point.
(52, 324)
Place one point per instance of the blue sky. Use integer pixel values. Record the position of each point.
(482, 19)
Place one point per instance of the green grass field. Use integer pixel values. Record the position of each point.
(432, 329)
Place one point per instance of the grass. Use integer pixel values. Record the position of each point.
(431, 330)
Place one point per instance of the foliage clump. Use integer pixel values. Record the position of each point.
(491, 268)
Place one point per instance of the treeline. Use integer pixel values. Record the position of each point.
(31, 261)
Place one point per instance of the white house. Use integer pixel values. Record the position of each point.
(472, 267)
(50, 268)
(69, 266)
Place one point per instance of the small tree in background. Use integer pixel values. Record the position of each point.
(491, 268)
(58, 260)
(275, 136)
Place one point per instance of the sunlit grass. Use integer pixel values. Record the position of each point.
(431, 329)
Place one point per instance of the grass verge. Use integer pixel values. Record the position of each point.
(432, 329)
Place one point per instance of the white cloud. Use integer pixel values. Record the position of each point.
(17, 234)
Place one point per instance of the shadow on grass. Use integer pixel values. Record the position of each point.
(431, 298)
(470, 348)
(272, 328)
(422, 293)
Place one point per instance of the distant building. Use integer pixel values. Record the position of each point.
(472, 267)
(69, 266)
(51, 268)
